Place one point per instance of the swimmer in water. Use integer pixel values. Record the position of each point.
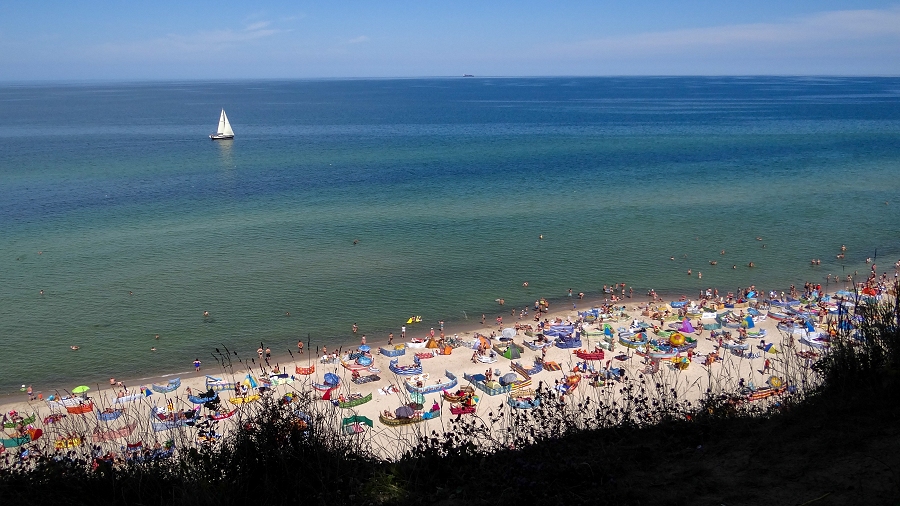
(750, 264)
(206, 314)
(153, 348)
(541, 236)
(722, 252)
(73, 347)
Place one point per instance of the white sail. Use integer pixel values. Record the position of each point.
(225, 126)
(224, 130)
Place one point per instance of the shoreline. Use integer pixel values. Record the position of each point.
(711, 368)
(465, 328)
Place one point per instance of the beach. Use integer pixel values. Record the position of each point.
(787, 358)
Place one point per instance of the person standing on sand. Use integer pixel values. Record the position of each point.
(403, 332)
(390, 339)
(363, 340)
(197, 364)
(30, 393)
(300, 346)
(482, 319)
(259, 351)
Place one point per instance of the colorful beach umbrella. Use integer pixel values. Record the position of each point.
(80, 389)
(417, 397)
(332, 379)
(509, 378)
(364, 348)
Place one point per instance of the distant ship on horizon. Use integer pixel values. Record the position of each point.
(468, 75)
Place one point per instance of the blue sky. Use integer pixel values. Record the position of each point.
(199, 39)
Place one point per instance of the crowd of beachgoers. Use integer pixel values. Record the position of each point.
(763, 342)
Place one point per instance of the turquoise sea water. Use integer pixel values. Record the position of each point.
(143, 223)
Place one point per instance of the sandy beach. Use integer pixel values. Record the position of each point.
(690, 380)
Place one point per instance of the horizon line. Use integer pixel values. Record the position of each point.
(453, 76)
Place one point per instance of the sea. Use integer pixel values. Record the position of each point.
(369, 201)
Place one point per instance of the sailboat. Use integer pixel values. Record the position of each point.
(224, 131)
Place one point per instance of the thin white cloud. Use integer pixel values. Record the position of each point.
(259, 25)
(358, 40)
(803, 32)
(180, 45)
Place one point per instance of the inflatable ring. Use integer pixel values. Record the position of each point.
(775, 382)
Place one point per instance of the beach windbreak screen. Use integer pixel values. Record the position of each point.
(369, 201)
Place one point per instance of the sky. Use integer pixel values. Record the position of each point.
(113, 40)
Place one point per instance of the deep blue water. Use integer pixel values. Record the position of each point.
(143, 223)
